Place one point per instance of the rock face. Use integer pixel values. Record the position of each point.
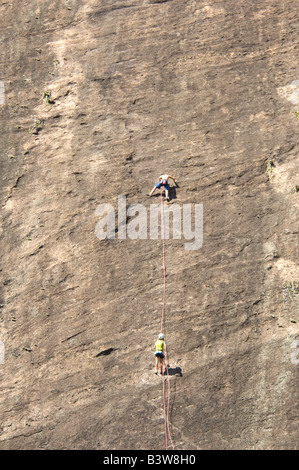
(97, 99)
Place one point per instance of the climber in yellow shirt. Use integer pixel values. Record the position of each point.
(160, 352)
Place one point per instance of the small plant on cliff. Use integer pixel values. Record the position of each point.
(297, 114)
(37, 126)
(270, 166)
(289, 291)
(48, 97)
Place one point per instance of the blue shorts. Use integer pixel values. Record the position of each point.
(162, 183)
(159, 354)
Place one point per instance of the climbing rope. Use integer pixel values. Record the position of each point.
(166, 409)
(164, 266)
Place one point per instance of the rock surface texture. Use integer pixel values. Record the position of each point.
(98, 98)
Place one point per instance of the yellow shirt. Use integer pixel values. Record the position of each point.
(159, 346)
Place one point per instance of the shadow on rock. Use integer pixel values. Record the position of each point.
(175, 371)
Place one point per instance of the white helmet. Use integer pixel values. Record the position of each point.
(161, 336)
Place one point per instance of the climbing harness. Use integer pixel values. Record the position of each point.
(166, 408)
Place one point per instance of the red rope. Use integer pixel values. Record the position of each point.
(164, 267)
(166, 411)
(165, 414)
